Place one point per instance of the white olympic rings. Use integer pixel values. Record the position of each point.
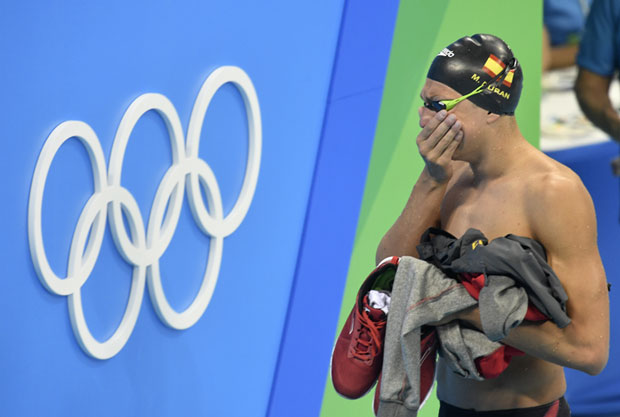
(142, 247)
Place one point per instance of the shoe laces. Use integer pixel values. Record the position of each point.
(369, 334)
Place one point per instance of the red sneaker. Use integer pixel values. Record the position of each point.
(358, 354)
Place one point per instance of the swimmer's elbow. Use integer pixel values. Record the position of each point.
(597, 362)
(594, 360)
(597, 370)
(594, 368)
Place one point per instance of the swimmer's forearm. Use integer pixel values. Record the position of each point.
(569, 347)
(439, 138)
(421, 212)
(565, 347)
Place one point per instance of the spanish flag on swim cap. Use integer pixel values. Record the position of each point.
(495, 66)
(470, 61)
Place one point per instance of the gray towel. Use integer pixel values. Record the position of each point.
(423, 294)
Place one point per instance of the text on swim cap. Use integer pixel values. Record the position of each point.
(491, 88)
(446, 52)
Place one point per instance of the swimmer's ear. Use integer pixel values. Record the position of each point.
(492, 118)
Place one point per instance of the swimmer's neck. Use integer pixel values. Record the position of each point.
(500, 157)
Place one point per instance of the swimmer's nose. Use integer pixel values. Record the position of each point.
(425, 115)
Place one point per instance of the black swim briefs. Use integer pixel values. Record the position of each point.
(557, 408)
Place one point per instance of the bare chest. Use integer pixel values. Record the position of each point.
(496, 210)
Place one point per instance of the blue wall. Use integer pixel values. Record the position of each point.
(339, 180)
(87, 61)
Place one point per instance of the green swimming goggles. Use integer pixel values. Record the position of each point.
(438, 105)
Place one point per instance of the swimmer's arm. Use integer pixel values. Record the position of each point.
(565, 224)
(420, 213)
(436, 142)
(592, 92)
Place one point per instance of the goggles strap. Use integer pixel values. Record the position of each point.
(498, 79)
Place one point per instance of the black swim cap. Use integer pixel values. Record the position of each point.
(467, 63)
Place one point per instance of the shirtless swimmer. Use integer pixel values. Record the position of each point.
(481, 172)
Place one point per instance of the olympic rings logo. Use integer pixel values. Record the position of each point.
(143, 247)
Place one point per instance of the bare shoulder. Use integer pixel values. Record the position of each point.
(550, 183)
(557, 203)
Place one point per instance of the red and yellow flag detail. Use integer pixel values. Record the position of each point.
(493, 66)
(508, 80)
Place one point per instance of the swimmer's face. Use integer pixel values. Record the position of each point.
(470, 115)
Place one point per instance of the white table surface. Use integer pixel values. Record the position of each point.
(562, 124)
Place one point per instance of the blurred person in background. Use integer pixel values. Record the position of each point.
(598, 61)
(564, 22)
